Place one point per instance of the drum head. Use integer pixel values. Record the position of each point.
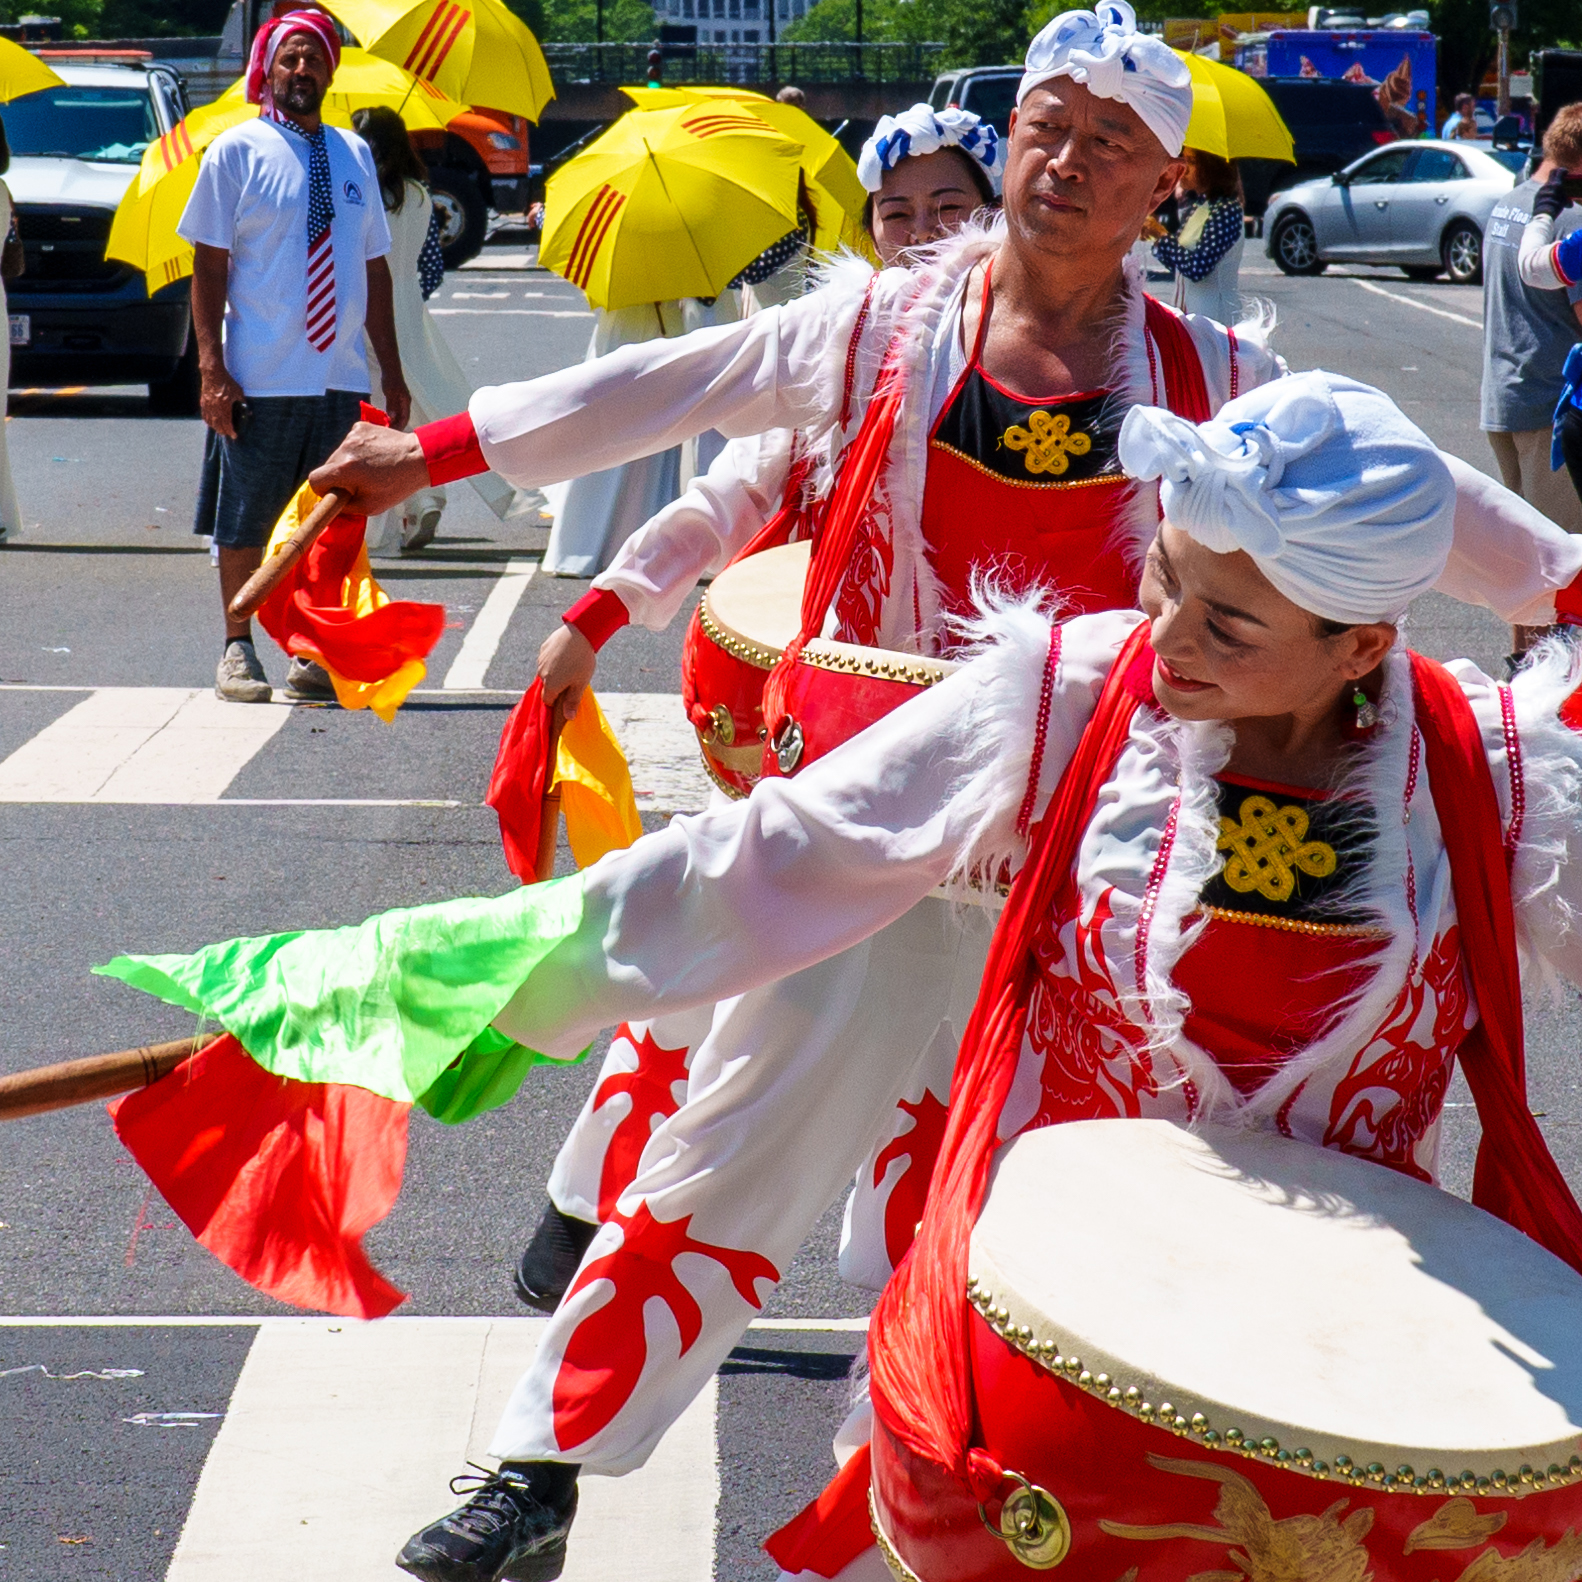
(1269, 1291)
(756, 604)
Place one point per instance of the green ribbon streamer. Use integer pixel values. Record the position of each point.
(400, 1005)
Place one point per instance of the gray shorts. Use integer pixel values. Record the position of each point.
(248, 482)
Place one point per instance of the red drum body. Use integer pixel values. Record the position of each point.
(738, 632)
(1229, 1355)
(742, 626)
(834, 691)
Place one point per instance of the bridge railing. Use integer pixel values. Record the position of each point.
(747, 63)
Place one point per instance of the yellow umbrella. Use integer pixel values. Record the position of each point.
(363, 80)
(825, 163)
(23, 72)
(670, 203)
(475, 50)
(1232, 116)
(143, 232)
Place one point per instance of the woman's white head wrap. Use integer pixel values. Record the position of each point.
(922, 130)
(1104, 51)
(1345, 505)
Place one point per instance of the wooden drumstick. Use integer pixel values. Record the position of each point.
(269, 576)
(72, 1082)
(549, 815)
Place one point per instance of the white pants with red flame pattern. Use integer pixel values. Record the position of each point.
(790, 1089)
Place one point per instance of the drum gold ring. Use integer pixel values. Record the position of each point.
(1033, 1525)
(722, 725)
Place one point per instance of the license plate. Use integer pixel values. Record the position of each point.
(21, 328)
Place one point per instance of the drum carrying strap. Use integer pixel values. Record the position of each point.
(919, 1350)
(1516, 1176)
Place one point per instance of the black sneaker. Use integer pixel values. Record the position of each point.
(513, 1528)
(550, 1263)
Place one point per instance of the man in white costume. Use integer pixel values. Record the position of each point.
(776, 1119)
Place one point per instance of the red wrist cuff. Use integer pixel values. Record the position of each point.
(1568, 603)
(599, 614)
(451, 449)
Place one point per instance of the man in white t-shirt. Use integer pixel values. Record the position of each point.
(290, 238)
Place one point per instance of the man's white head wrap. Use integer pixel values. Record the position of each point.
(1345, 505)
(922, 130)
(1104, 51)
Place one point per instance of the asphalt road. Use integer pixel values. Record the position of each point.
(108, 588)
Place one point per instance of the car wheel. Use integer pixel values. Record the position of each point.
(1462, 251)
(463, 215)
(1295, 246)
(180, 394)
(1421, 271)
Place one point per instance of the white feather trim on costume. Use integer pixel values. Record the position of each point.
(1008, 643)
(1546, 917)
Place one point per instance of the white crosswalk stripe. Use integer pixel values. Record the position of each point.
(140, 744)
(182, 746)
(340, 1438)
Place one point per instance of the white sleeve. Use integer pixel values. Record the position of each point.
(698, 534)
(210, 214)
(725, 901)
(1507, 556)
(765, 372)
(1536, 261)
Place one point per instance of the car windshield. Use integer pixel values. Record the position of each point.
(110, 124)
(992, 98)
(1513, 159)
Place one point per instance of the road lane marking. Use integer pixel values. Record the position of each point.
(340, 1439)
(178, 746)
(661, 749)
(140, 744)
(478, 647)
(1412, 302)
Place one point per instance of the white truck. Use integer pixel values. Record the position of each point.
(78, 318)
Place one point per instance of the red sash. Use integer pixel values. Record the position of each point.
(919, 1352)
(845, 531)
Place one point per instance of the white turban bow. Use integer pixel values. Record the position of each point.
(1345, 505)
(1104, 51)
(922, 130)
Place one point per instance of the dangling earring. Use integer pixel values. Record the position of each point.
(1367, 710)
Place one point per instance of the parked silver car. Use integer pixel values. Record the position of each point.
(1421, 205)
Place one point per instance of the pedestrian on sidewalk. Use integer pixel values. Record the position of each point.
(1204, 247)
(1527, 335)
(290, 238)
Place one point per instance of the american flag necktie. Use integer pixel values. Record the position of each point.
(321, 250)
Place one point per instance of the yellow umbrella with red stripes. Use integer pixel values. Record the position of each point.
(476, 50)
(830, 170)
(670, 203)
(143, 232)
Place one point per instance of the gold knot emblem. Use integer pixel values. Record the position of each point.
(1048, 441)
(1269, 847)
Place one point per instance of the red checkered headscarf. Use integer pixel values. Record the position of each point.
(267, 42)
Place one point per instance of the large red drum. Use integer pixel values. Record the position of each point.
(1222, 1354)
(742, 626)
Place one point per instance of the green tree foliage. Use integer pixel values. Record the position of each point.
(576, 21)
(979, 33)
(124, 18)
(159, 18)
(1467, 47)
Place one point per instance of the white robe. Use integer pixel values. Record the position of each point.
(777, 1058)
(811, 871)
